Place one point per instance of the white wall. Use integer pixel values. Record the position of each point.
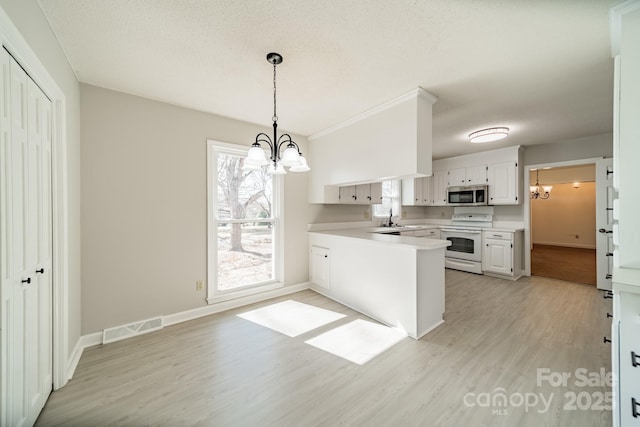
(144, 206)
(28, 18)
(575, 149)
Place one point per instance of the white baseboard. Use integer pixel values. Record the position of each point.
(83, 342)
(195, 313)
(95, 338)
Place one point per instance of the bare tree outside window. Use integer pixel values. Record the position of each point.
(244, 224)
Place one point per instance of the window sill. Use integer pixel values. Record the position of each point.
(244, 292)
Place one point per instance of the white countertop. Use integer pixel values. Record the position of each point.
(504, 226)
(370, 233)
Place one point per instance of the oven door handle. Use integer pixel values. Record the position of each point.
(461, 231)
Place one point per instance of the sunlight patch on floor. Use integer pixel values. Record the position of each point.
(358, 341)
(291, 318)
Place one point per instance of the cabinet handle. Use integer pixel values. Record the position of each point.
(41, 271)
(27, 280)
(609, 254)
(602, 230)
(608, 295)
(635, 359)
(610, 315)
(369, 197)
(326, 256)
(608, 276)
(634, 407)
(605, 340)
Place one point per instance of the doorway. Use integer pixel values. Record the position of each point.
(560, 226)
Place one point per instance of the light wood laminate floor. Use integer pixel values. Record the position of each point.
(222, 370)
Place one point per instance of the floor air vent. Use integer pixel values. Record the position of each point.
(126, 331)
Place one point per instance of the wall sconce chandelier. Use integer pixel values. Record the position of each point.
(291, 157)
(538, 192)
(488, 135)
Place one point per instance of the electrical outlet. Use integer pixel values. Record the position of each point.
(199, 285)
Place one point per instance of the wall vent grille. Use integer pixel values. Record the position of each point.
(126, 331)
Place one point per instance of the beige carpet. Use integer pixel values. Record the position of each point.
(570, 264)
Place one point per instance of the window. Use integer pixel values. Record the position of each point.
(390, 200)
(244, 226)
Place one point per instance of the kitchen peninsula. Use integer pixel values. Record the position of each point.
(397, 280)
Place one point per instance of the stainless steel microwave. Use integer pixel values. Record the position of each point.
(475, 195)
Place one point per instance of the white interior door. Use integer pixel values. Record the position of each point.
(604, 222)
(25, 204)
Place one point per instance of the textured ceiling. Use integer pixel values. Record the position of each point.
(540, 67)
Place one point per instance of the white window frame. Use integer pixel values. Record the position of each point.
(214, 295)
(396, 202)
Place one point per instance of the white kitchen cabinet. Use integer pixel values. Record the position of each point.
(439, 191)
(347, 194)
(501, 253)
(458, 177)
(361, 194)
(625, 42)
(626, 356)
(393, 283)
(471, 175)
(375, 192)
(319, 268)
(503, 181)
(417, 191)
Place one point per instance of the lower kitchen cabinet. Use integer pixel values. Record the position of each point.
(501, 253)
(319, 268)
(626, 357)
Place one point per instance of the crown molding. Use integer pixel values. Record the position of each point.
(415, 93)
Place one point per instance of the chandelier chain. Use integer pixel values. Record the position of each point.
(275, 116)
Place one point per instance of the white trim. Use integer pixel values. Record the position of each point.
(195, 313)
(94, 339)
(214, 146)
(244, 292)
(415, 93)
(527, 203)
(615, 22)
(13, 41)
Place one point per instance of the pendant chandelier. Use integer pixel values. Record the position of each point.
(291, 157)
(538, 192)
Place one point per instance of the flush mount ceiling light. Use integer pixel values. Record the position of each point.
(538, 192)
(291, 157)
(488, 135)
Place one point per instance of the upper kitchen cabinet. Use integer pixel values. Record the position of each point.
(440, 184)
(361, 194)
(499, 169)
(358, 151)
(502, 179)
(417, 191)
(472, 175)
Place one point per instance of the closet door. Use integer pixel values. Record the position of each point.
(26, 247)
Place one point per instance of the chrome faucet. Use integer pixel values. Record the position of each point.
(390, 224)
